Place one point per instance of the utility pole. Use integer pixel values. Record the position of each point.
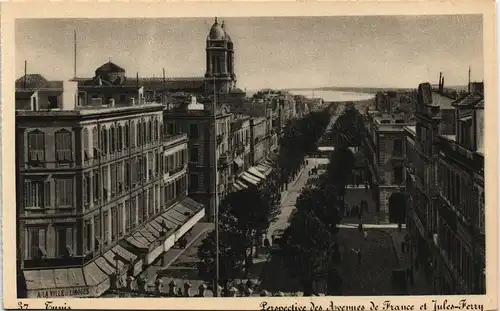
(216, 206)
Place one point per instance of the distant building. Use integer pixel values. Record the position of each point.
(100, 187)
(220, 69)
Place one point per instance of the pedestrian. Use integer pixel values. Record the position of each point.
(266, 243)
(360, 227)
(179, 292)
(359, 257)
(365, 233)
(158, 285)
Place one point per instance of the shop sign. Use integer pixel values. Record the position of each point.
(82, 291)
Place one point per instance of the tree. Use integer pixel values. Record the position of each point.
(308, 249)
(230, 257)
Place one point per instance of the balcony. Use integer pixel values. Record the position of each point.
(170, 140)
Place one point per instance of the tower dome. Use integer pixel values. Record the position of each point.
(216, 32)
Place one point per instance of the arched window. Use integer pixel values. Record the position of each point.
(63, 144)
(36, 146)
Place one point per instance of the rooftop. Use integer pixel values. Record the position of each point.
(90, 110)
(441, 100)
(35, 82)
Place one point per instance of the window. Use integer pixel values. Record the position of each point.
(112, 140)
(106, 227)
(128, 216)
(36, 194)
(120, 138)
(170, 129)
(64, 238)
(398, 175)
(133, 212)
(114, 224)
(193, 130)
(97, 233)
(104, 141)
(36, 146)
(63, 146)
(52, 102)
(105, 183)
(398, 148)
(132, 135)
(64, 193)
(126, 174)
(126, 136)
(86, 151)
(113, 180)
(193, 182)
(88, 236)
(95, 142)
(87, 186)
(96, 185)
(36, 243)
(149, 134)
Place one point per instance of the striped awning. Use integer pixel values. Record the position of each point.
(249, 179)
(255, 172)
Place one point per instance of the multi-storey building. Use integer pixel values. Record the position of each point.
(384, 149)
(461, 216)
(445, 184)
(101, 189)
(241, 143)
(260, 139)
(198, 120)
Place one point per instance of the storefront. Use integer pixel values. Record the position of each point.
(159, 235)
(89, 281)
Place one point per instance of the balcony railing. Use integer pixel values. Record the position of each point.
(173, 139)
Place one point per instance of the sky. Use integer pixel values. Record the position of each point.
(280, 52)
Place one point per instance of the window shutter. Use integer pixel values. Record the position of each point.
(46, 194)
(27, 193)
(69, 240)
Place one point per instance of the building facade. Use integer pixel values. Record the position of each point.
(197, 120)
(384, 143)
(445, 184)
(98, 182)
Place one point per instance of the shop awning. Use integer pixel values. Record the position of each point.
(152, 229)
(192, 204)
(137, 243)
(239, 161)
(105, 266)
(93, 275)
(156, 224)
(56, 283)
(124, 254)
(237, 187)
(242, 185)
(255, 172)
(175, 216)
(112, 259)
(146, 235)
(250, 179)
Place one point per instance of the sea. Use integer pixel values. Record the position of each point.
(334, 96)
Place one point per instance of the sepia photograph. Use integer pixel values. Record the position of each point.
(250, 156)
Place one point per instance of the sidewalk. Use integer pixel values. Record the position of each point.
(172, 254)
(420, 286)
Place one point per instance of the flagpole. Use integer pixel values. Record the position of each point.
(216, 206)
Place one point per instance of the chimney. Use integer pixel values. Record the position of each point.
(468, 84)
(439, 84)
(442, 84)
(25, 73)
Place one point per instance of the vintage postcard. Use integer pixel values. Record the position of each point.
(249, 156)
